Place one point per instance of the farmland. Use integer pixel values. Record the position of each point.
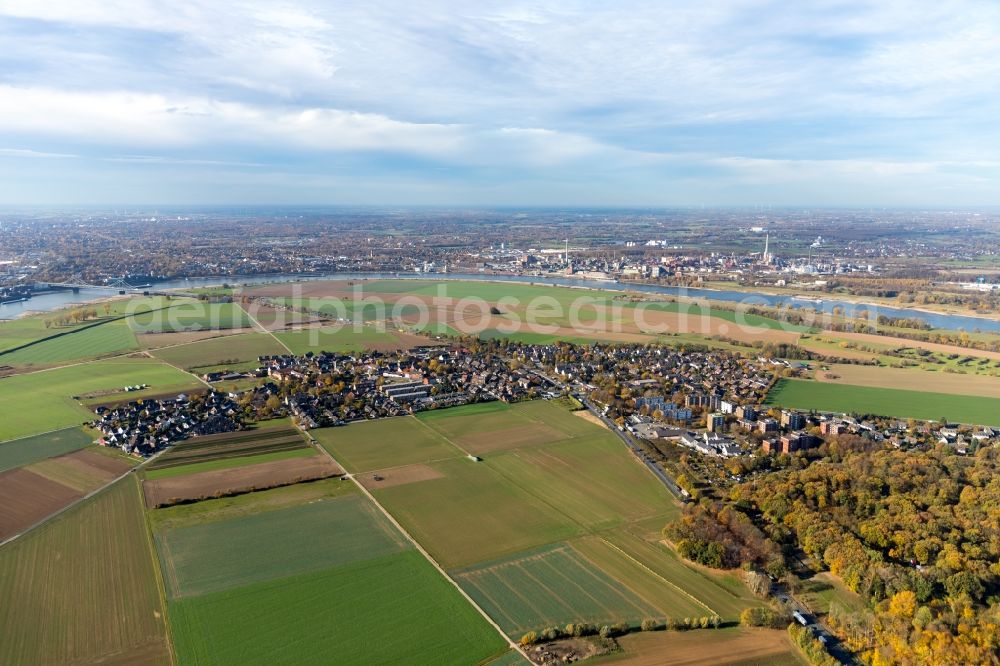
(221, 351)
(205, 449)
(391, 609)
(111, 338)
(33, 492)
(556, 585)
(733, 646)
(327, 575)
(238, 475)
(82, 588)
(891, 378)
(557, 526)
(32, 449)
(384, 443)
(190, 315)
(341, 339)
(217, 556)
(472, 514)
(43, 401)
(811, 395)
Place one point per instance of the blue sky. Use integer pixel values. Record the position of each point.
(740, 102)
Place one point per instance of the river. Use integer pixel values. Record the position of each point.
(60, 299)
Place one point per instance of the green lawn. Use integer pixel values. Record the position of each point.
(32, 449)
(820, 396)
(43, 401)
(394, 609)
(371, 445)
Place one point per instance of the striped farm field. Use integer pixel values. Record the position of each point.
(83, 587)
(555, 585)
(240, 444)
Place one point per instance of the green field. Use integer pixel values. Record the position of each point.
(473, 514)
(312, 573)
(191, 315)
(228, 463)
(590, 479)
(821, 396)
(743, 319)
(553, 586)
(16, 332)
(346, 308)
(43, 401)
(384, 443)
(32, 449)
(278, 437)
(110, 338)
(394, 609)
(210, 557)
(83, 587)
(227, 350)
(334, 339)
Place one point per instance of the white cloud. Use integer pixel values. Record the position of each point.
(33, 154)
(879, 88)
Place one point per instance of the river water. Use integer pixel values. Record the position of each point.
(56, 300)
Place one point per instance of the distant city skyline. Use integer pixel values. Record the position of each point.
(646, 104)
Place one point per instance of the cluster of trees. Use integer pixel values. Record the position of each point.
(74, 316)
(915, 533)
(720, 535)
(760, 616)
(578, 629)
(810, 646)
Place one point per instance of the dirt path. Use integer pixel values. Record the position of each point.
(264, 329)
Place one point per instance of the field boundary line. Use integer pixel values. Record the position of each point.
(160, 584)
(442, 436)
(670, 583)
(264, 329)
(510, 643)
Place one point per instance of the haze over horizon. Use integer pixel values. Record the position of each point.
(432, 103)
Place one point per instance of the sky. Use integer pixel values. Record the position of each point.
(625, 103)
